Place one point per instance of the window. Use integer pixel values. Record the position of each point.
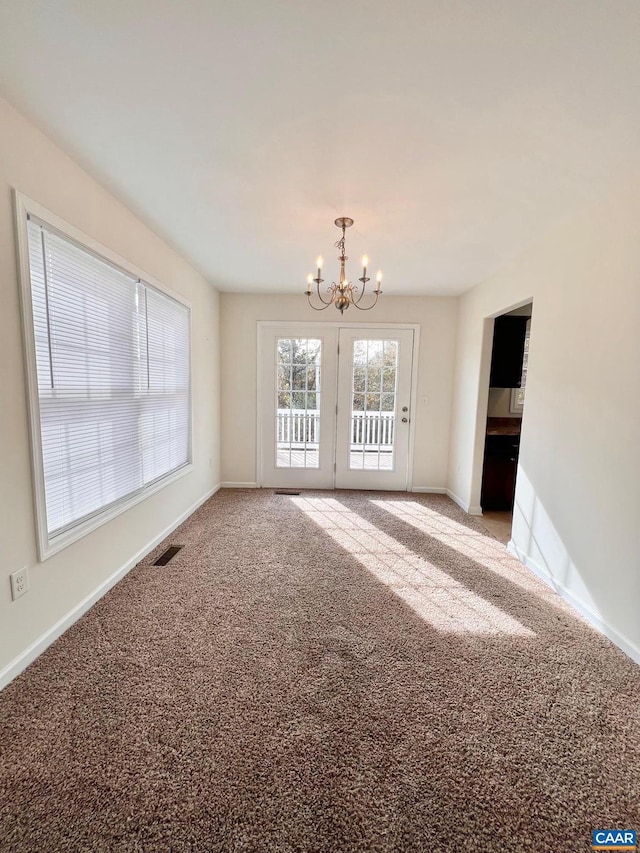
(109, 365)
(298, 403)
(373, 404)
(516, 405)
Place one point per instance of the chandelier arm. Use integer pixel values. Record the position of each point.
(369, 307)
(364, 287)
(329, 290)
(325, 305)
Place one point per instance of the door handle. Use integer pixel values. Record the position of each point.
(405, 420)
(405, 408)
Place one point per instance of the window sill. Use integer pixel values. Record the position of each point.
(48, 546)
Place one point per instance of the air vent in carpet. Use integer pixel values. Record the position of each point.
(285, 492)
(169, 554)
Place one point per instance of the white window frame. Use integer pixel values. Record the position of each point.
(515, 408)
(48, 545)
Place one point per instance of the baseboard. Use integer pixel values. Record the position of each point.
(468, 508)
(239, 486)
(594, 619)
(26, 657)
(429, 490)
(462, 504)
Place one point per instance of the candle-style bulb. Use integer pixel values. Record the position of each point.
(379, 276)
(365, 261)
(319, 262)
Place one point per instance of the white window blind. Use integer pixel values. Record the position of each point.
(113, 380)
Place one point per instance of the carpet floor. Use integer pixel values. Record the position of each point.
(338, 671)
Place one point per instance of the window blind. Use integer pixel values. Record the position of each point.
(113, 379)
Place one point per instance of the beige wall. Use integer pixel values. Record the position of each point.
(30, 163)
(240, 314)
(499, 404)
(578, 492)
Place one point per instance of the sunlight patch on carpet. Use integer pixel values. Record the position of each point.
(443, 602)
(480, 547)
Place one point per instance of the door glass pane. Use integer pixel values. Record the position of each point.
(298, 402)
(373, 404)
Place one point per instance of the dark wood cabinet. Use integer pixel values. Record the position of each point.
(499, 472)
(508, 351)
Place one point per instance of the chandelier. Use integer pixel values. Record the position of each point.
(344, 293)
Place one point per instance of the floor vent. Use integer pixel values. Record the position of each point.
(285, 492)
(169, 554)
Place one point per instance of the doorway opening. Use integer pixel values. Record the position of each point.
(505, 409)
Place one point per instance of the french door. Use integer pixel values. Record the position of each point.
(373, 408)
(334, 406)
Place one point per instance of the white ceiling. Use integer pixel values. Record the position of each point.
(454, 132)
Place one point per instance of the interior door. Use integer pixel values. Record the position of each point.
(296, 420)
(373, 408)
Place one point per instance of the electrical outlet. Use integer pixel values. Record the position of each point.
(19, 583)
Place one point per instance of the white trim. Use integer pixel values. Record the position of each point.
(26, 657)
(259, 405)
(268, 475)
(31, 381)
(462, 504)
(345, 324)
(400, 476)
(429, 490)
(468, 508)
(240, 486)
(50, 545)
(594, 619)
(415, 359)
(25, 205)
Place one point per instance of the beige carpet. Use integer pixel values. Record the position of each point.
(337, 672)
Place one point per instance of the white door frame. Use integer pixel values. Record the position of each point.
(268, 473)
(346, 475)
(311, 328)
